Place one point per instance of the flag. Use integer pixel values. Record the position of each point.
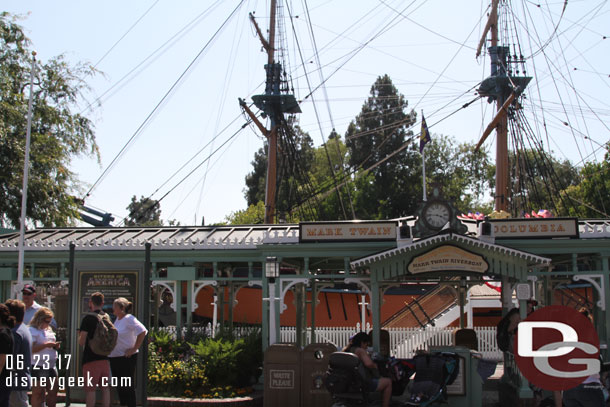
(424, 137)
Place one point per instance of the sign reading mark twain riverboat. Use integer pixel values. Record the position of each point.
(534, 228)
(347, 231)
(448, 258)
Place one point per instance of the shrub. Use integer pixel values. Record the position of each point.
(219, 356)
(209, 368)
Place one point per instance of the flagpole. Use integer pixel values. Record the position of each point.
(422, 149)
(24, 190)
(423, 166)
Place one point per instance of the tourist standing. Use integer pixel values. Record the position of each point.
(44, 356)
(22, 351)
(131, 334)
(28, 293)
(95, 365)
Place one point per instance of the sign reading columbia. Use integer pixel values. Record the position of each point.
(534, 228)
(448, 258)
(347, 231)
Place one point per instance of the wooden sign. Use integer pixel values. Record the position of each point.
(347, 231)
(534, 228)
(448, 258)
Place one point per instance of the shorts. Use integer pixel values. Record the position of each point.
(39, 372)
(373, 383)
(96, 370)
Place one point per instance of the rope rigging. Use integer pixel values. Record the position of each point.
(158, 106)
(302, 194)
(330, 164)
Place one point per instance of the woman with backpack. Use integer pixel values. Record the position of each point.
(44, 356)
(131, 334)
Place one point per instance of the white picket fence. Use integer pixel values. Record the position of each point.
(404, 342)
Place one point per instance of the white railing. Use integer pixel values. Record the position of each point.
(238, 332)
(404, 342)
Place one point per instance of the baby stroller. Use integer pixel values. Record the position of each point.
(433, 372)
(346, 379)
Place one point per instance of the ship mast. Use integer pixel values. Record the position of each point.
(504, 89)
(274, 103)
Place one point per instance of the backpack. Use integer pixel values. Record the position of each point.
(105, 335)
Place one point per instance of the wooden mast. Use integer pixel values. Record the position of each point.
(271, 184)
(502, 181)
(503, 100)
(273, 104)
(501, 196)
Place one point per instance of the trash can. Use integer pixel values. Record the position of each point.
(314, 363)
(282, 375)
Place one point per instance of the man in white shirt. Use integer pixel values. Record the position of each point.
(31, 306)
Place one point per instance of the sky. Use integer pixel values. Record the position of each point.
(184, 64)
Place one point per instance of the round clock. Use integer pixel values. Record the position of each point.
(436, 214)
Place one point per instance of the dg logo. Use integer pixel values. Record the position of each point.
(557, 348)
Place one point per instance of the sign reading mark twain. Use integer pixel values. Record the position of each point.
(448, 258)
(347, 231)
(534, 228)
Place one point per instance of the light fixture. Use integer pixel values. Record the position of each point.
(272, 268)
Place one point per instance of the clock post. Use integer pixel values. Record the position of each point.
(436, 214)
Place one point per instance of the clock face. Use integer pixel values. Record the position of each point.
(436, 215)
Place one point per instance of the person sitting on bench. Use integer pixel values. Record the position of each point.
(358, 345)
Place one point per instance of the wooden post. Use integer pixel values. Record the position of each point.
(271, 177)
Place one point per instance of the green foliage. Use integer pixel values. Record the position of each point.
(58, 133)
(250, 355)
(176, 377)
(537, 180)
(219, 356)
(144, 212)
(360, 178)
(254, 215)
(466, 175)
(379, 130)
(295, 157)
(589, 198)
(203, 367)
(255, 181)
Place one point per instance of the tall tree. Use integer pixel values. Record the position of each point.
(330, 176)
(590, 198)
(379, 130)
(295, 157)
(144, 212)
(537, 181)
(466, 175)
(254, 191)
(59, 132)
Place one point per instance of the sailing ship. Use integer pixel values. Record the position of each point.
(516, 189)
